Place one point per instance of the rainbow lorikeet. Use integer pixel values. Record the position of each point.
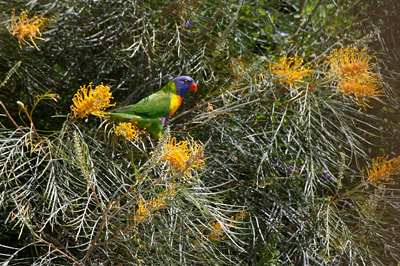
(151, 112)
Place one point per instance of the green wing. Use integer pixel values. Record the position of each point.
(155, 105)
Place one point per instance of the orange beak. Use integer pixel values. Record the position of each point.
(193, 87)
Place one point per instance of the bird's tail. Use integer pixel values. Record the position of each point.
(152, 125)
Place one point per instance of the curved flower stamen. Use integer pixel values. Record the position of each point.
(185, 155)
(88, 101)
(290, 70)
(22, 27)
(353, 72)
(127, 131)
(383, 169)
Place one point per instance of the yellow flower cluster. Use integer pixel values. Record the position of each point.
(359, 89)
(350, 63)
(22, 27)
(185, 155)
(290, 70)
(217, 232)
(88, 101)
(127, 131)
(146, 209)
(382, 170)
(354, 74)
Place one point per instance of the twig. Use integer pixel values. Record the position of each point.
(59, 250)
(198, 106)
(189, 111)
(10, 117)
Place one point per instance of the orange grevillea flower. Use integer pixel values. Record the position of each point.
(290, 70)
(351, 63)
(383, 170)
(360, 90)
(185, 155)
(217, 232)
(24, 28)
(151, 207)
(145, 209)
(127, 131)
(353, 72)
(88, 101)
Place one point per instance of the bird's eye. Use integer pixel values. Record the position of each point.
(186, 81)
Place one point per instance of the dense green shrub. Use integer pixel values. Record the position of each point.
(278, 140)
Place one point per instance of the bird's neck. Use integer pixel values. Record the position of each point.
(170, 87)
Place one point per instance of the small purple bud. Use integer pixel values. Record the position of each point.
(324, 176)
(283, 34)
(189, 24)
(290, 169)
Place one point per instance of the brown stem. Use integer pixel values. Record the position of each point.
(196, 107)
(189, 111)
(9, 116)
(59, 250)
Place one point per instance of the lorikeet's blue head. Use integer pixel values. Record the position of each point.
(184, 84)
